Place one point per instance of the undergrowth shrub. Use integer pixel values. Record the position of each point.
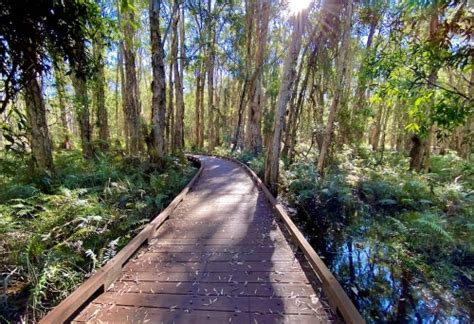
(55, 231)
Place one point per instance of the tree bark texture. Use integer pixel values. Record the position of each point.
(132, 111)
(158, 86)
(40, 141)
(273, 152)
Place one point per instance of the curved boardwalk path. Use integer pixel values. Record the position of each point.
(221, 257)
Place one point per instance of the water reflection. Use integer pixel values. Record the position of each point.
(379, 284)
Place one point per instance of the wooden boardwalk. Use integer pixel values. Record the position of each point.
(221, 257)
(218, 255)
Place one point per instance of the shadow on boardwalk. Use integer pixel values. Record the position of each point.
(220, 258)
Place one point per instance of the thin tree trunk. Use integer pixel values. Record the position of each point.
(83, 115)
(40, 141)
(258, 10)
(178, 136)
(131, 85)
(211, 129)
(170, 114)
(197, 109)
(66, 142)
(99, 94)
(124, 100)
(201, 108)
(341, 65)
(158, 103)
(292, 131)
(240, 113)
(376, 129)
(118, 129)
(121, 50)
(273, 152)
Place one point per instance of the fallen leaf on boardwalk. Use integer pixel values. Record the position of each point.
(173, 308)
(314, 299)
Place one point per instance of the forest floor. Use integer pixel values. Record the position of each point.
(55, 230)
(400, 243)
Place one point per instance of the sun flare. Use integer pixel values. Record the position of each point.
(296, 6)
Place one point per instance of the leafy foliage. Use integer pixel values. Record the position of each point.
(56, 239)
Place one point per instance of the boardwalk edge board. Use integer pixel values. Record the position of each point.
(101, 280)
(336, 295)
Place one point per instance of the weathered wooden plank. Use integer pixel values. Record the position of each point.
(263, 305)
(285, 290)
(218, 277)
(120, 314)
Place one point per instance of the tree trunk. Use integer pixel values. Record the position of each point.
(83, 115)
(41, 148)
(341, 65)
(211, 129)
(292, 132)
(240, 113)
(178, 138)
(291, 110)
(273, 152)
(99, 94)
(66, 142)
(132, 110)
(420, 152)
(124, 100)
(158, 86)
(170, 111)
(259, 9)
(198, 110)
(376, 128)
(201, 108)
(120, 58)
(118, 128)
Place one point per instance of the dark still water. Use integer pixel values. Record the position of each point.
(381, 278)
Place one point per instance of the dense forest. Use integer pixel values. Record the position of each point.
(357, 114)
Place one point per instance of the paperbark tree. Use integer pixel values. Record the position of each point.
(40, 141)
(99, 94)
(132, 109)
(273, 152)
(158, 85)
(178, 133)
(211, 127)
(83, 115)
(340, 84)
(59, 76)
(253, 134)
